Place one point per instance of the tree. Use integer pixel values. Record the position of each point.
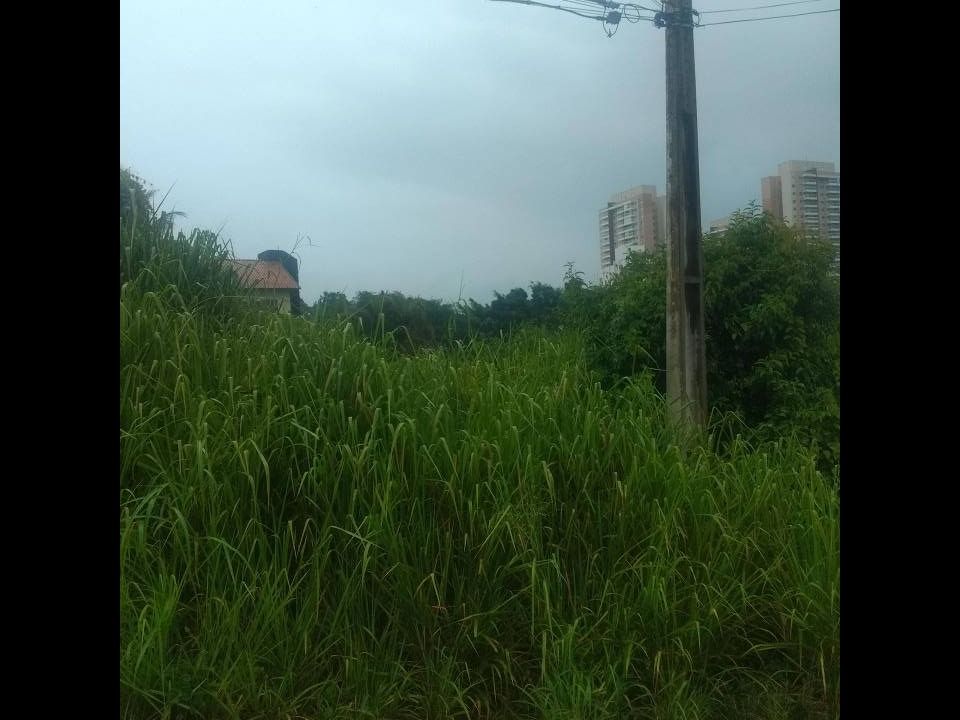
(773, 330)
(509, 310)
(135, 199)
(544, 303)
(772, 306)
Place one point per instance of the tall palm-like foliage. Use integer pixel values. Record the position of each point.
(155, 257)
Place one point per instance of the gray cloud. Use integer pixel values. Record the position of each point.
(438, 147)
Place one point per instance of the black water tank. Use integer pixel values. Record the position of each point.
(291, 265)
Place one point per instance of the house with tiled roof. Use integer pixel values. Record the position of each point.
(273, 279)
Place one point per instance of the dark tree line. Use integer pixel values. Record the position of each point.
(416, 322)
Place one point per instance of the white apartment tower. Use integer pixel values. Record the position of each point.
(632, 220)
(805, 194)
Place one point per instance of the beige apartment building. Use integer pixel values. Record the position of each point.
(632, 220)
(805, 194)
(771, 196)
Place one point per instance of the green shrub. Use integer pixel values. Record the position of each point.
(772, 317)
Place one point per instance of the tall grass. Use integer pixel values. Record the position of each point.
(318, 526)
(155, 256)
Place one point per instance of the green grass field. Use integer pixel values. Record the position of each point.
(313, 525)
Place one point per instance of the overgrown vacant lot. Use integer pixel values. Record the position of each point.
(314, 525)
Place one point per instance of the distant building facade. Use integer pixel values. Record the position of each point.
(771, 196)
(805, 194)
(633, 220)
(718, 225)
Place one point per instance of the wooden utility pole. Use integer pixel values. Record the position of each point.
(686, 356)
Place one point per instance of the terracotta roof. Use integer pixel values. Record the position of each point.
(264, 274)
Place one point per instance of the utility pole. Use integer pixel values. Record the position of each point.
(686, 354)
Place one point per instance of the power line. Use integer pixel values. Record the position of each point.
(608, 12)
(616, 5)
(614, 12)
(758, 7)
(554, 7)
(592, 4)
(584, 4)
(609, 8)
(769, 17)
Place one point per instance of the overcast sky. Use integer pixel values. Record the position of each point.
(448, 147)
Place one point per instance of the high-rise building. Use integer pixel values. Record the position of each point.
(805, 194)
(632, 220)
(771, 193)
